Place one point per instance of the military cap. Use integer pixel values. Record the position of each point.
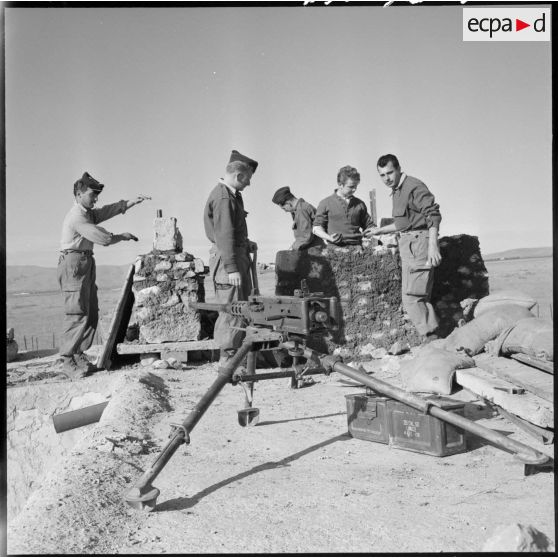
(282, 195)
(90, 182)
(236, 156)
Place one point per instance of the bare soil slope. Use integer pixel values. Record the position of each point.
(296, 482)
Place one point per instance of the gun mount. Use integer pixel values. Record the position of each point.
(292, 320)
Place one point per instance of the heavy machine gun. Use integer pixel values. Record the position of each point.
(286, 322)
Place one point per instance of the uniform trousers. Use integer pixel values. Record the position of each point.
(76, 277)
(417, 280)
(226, 337)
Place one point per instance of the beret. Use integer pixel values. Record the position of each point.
(282, 195)
(236, 156)
(89, 181)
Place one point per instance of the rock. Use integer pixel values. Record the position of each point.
(11, 351)
(161, 364)
(163, 266)
(148, 359)
(199, 266)
(380, 352)
(143, 295)
(166, 234)
(518, 538)
(399, 348)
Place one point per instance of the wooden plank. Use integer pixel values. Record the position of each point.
(544, 365)
(184, 346)
(119, 322)
(527, 406)
(373, 213)
(179, 346)
(533, 380)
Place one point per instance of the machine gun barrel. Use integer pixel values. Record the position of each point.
(523, 452)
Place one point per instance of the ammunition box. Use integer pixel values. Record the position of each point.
(381, 419)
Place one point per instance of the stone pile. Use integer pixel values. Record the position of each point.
(461, 275)
(367, 282)
(163, 287)
(165, 282)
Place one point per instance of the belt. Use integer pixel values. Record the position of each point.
(86, 252)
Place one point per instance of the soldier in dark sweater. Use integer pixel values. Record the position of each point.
(303, 215)
(417, 218)
(342, 218)
(229, 263)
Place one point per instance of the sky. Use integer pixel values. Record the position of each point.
(153, 100)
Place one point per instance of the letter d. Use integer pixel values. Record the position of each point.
(540, 20)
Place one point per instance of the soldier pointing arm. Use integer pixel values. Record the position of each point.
(77, 270)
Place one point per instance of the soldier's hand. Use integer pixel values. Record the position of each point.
(128, 236)
(234, 279)
(252, 247)
(336, 237)
(434, 256)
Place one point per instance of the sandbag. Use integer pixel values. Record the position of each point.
(472, 337)
(433, 370)
(499, 298)
(532, 336)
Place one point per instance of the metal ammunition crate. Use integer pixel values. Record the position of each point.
(381, 419)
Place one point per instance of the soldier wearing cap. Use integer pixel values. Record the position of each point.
(229, 262)
(417, 218)
(342, 218)
(303, 215)
(76, 269)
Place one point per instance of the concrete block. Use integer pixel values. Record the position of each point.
(166, 234)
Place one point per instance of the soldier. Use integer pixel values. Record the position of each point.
(76, 269)
(226, 228)
(303, 215)
(342, 218)
(417, 218)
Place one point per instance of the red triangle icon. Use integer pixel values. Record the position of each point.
(519, 25)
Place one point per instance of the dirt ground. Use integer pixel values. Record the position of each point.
(295, 483)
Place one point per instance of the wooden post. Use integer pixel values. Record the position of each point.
(25, 340)
(53, 341)
(373, 207)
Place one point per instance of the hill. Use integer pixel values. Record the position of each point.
(35, 279)
(520, 253)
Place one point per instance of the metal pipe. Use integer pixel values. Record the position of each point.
(143, 495)
(522, 451)
(79, 417)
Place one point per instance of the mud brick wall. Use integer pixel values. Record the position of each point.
(164, 284)
(461, 274)
(367, 282)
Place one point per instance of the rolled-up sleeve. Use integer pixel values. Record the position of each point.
(426, 204)
(90, 231)
(303, 231)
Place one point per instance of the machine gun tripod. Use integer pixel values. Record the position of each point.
(292, 319)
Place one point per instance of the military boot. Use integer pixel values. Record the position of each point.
(83, 363)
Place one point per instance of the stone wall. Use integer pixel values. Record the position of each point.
(367, 282)
(164, 284)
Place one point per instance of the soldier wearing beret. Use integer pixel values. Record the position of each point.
(229, 262)
(342, 218)
(76, 269)
(303, 215)
(417, 218)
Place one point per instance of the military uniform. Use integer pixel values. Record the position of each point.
(303, 219)
(415, 212)
(77, 271)
(226, 228)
